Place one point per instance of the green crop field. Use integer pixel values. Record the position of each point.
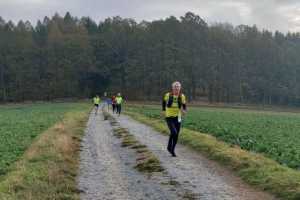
(275, 134)
(20, 124)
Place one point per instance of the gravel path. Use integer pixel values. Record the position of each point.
(107, 170)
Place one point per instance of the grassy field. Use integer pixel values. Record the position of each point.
(48, 167)
(275, 134)
(21, 124)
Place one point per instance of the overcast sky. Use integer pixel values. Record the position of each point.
(283, 15)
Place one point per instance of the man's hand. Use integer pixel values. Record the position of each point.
(163, 113)
(183, 112)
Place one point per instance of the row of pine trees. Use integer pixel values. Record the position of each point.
(66, 57)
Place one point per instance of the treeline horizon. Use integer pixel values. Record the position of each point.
(65, 57)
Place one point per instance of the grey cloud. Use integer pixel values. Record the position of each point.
(280, 15)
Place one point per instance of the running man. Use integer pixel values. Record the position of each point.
(113, 103)
(173, 105)
(96, 103)
(109, 102)
(119, 101)
(106, 100)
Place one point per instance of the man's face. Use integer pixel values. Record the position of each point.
(176, 89)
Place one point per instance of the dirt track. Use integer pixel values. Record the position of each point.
(107, 170)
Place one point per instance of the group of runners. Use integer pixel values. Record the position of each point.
(114, 101)
(173, 109)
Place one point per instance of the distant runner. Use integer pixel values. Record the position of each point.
(119, 101)
(107, 100)
(113, 103)
(173, 105)
(96, 103)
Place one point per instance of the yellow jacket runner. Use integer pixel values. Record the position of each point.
(172, 104)
(119, 100)
(96, 100)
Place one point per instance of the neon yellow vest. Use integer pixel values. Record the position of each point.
(119, 100)
(174, 110)
(96, 100)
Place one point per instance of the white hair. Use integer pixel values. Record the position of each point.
(176, 83)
